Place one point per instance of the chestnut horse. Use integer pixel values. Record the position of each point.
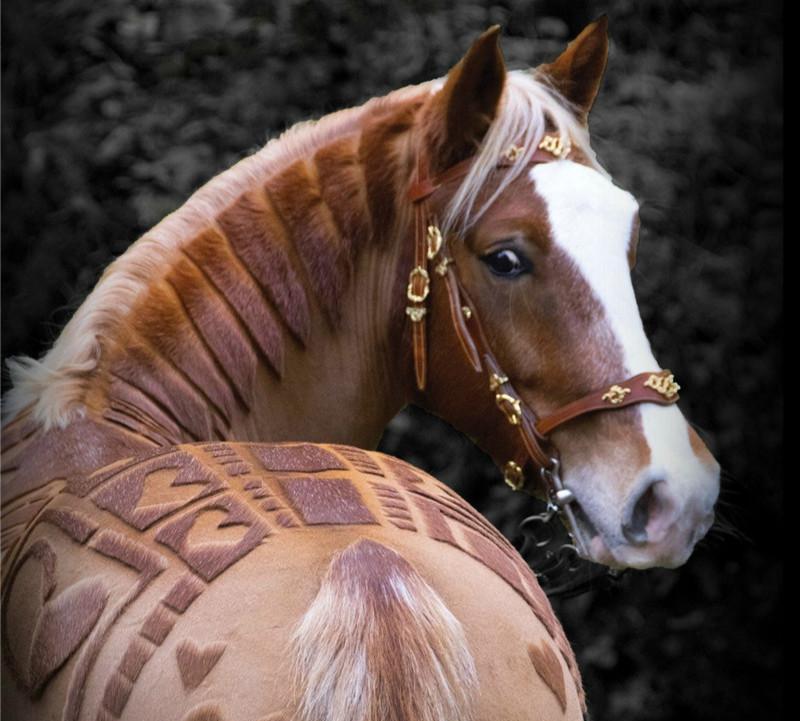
(190, 529)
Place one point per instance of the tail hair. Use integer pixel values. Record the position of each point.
(379, 644)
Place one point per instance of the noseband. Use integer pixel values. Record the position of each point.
(537, 450)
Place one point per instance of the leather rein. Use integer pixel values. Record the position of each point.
(431, 250)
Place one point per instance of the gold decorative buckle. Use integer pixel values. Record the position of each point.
(418, 272)
(495, 381)
(663, 384)
(434, 241)
(510, 406)
(616, 394)
(555, 145)
(513, 476)
(415, 313)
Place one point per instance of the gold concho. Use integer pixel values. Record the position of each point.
(663, 384)
(441, 268)
(415, 313)
(513, 476)
(495, 381)
(434, 241)
(555, 145)
(615, 395)
(513, 152)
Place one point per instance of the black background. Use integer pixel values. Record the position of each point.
(115, 111)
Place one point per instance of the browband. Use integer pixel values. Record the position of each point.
(430, 250)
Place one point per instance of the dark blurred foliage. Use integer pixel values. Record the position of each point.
(115, 111)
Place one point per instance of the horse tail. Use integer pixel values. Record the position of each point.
(378, 643)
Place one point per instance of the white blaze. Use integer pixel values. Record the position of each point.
(591, 221)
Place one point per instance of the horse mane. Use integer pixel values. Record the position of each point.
(530, 107)
(53, 388)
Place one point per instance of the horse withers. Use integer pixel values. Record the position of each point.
(190, 529)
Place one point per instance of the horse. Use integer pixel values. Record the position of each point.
(193, 527)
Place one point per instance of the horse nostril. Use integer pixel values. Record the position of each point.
(643, 510)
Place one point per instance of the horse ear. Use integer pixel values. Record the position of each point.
(465, 107)
(577, 72)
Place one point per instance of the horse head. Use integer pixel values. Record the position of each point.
(542, 250)
(290, 268)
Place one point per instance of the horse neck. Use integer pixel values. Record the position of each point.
(341, 384)
(281, 319)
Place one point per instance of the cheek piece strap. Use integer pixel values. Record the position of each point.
(537, 455)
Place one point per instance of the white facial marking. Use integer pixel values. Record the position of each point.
(591, 221)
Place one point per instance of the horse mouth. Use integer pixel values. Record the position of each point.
(588, 540)
(583, 535)
(590, 543)
(584, 524)
(567, 553)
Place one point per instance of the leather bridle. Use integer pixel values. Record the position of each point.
(537, 450)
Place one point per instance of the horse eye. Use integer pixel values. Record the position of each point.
(507, 263)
